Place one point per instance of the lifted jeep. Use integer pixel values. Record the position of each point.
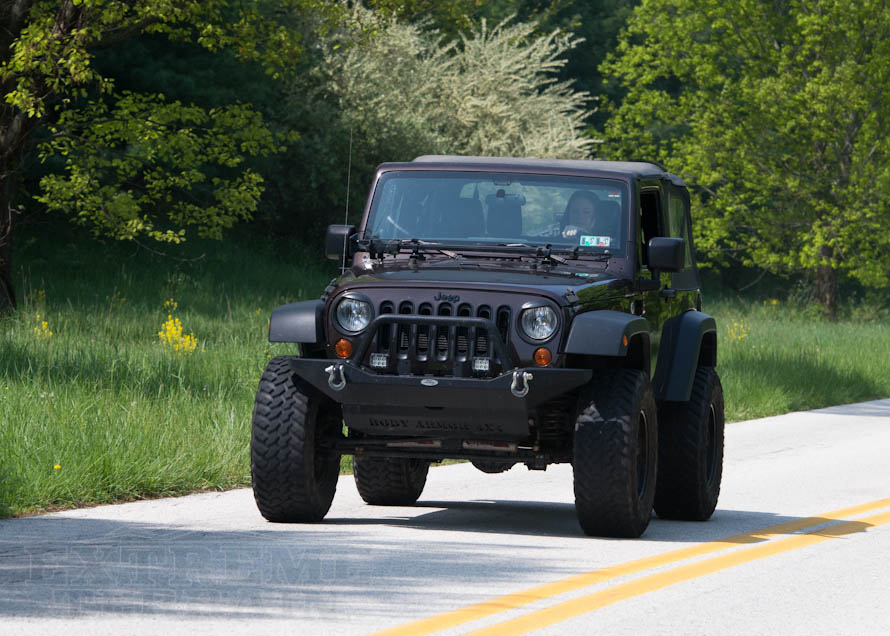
(477, 319)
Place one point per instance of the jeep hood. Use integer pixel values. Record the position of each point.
(554, 282)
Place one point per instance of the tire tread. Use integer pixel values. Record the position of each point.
(282, 475)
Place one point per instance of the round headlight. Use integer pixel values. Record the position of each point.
(353, 315)
(539, 323)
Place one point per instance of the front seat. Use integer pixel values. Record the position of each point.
(459, 218)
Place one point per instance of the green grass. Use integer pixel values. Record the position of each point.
(124, 417)
(780, 358)
(120, 414)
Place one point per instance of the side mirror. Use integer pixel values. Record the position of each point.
(336, 238)
(667, 254)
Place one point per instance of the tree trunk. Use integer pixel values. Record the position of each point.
(7, 194)
(826, 285)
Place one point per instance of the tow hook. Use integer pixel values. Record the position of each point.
(519, 388)
(337, 370)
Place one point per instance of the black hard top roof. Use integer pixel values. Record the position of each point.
(572, 166)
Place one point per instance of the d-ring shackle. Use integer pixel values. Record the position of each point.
(519, 388)
(333, 371)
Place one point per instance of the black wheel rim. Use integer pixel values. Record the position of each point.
(712, 444)
(642, 455)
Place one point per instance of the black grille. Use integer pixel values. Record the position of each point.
(439, 349)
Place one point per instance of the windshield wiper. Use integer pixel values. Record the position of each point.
(546, 255)
(379, 248)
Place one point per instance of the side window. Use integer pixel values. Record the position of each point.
(678, 218)
(650, 220)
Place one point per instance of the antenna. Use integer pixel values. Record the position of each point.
(346, 213)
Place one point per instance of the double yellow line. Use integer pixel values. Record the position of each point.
(596, 600)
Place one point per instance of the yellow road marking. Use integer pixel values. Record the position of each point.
(539, 592)
(590, 602)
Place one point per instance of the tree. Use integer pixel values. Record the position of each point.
(135, 164)
(492, 93)
(378, 89)
(594, 23)
(777, 113)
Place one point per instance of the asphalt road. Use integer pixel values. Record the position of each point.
(800, 544)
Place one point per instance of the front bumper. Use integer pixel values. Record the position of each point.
(408, 406)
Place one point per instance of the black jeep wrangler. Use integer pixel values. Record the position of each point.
(502, 311)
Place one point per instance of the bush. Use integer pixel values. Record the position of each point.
(492, 93)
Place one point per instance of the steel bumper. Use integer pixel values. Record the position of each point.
(495, 408)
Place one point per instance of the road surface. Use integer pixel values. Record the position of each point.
(800, 544)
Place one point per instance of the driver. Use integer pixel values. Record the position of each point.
(580, 214)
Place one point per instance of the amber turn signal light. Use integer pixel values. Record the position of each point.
(343, 348)
(543, 357)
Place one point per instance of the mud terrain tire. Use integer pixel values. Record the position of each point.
(386, 481)
(615, 455)
(293, 478)
(690, 452)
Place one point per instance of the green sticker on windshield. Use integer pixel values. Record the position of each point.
(596, 241)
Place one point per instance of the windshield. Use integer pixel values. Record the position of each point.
(500, 208)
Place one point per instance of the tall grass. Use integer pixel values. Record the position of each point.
(102, 411)
(777, 356)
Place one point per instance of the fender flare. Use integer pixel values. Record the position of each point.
(297, 322)
(601, 333)
(687, 342)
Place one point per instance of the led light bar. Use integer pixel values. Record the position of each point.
(481, 364)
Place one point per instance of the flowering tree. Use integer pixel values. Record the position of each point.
(493, 92)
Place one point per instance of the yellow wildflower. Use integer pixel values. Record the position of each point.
(171, 335)
(42, 330)
(738, 330)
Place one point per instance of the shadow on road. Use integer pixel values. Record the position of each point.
(68, 568)
(549, 519)
(61, 567)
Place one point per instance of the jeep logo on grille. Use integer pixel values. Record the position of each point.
(451, 298)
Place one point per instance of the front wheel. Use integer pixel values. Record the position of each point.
(690, 447)
(615, 455)
(294, 477)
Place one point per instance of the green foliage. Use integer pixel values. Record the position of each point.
(51, 57)
(143, 153)
(136, 163)
(596, 24)
(776, 114)
(449, 18)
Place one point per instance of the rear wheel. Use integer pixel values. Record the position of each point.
(293, 476)
(389, 481)
(691, 452)
(615, 455)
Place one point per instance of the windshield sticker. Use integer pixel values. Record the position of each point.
(596, 241)
(614, 194)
